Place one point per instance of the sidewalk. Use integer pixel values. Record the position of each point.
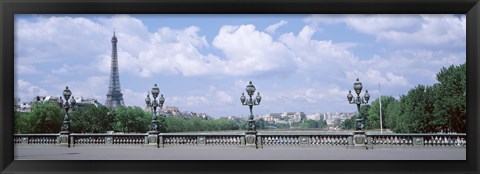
(232, 153)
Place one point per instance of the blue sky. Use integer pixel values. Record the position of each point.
(202, 63)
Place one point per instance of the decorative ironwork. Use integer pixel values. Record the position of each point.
(250, 103)
(67, 105)
(154, 126)
(357, 86)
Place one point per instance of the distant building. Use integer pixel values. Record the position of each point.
(270, 117)
(79, 102)
(42, 99)
(172, 110)
(288, 114)
(315, 116)
(24, 107)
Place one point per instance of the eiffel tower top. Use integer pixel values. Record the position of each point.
(114, 38)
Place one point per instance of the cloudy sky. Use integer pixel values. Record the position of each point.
(202, 63)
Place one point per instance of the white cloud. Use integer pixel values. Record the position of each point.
(273, 28)
(372, 76)
(25, 90)
(403, 30)
(435, 30)
(92, 87)
(374, 24)
(183, 101)
(133, 98)
(320, 57)
(72, 69)
(26, 69)
(249, 51)
(56, 39)
(172, 52)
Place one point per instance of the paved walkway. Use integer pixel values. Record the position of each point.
(234, 153)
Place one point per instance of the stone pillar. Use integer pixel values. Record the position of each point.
(25, 140)
(359, 139)
(304, 140)
(65, 138)
(201, 140)
(418, 141)
(153, 139)
(250, 139)
(109, 140)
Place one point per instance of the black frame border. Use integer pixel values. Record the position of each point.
(8, 8)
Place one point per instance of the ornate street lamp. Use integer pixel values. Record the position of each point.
(65, 132)
(67, 105)
(155, 127)
(359, 134)
(250, 103)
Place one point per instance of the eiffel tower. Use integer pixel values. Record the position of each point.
(114, 95)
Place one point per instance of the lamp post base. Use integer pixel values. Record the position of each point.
(251, 139)
(359, 139)
(152, 138)
(64, 138)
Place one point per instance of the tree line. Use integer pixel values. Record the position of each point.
(424, 109)
(47, 117)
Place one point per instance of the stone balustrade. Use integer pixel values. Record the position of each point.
(238, 139)
(107, 139)
(206, 139)
(36, 139)
(390, 139)
(304, 139)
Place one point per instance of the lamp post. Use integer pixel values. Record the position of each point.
(359, 134)
(250, 102)
(154, 126)
(65, 132)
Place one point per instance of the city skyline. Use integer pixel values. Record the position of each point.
(202, 63)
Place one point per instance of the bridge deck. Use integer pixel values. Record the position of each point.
(235, 153)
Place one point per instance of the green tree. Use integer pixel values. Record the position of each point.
(364, 109)
(441, 107)
(394, 112)
(450, 100)
(22, 122)
(131, 119)
(373, 117)
(417, 110)
(92, 119)
(348, 124)
(174, 124)
(322, 124)
(46, 117)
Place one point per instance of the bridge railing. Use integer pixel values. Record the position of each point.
(263, 139)
(395, 139)
(36, 139)
(303, 139)
(203, 139)
(107, 139)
